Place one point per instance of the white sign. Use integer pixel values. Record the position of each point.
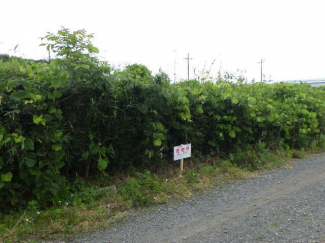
(183, 151)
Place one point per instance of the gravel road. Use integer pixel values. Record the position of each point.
(281, 205)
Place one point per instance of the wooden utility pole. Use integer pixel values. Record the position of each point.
(49, 56)
(174, 66)
(188, 65)
(262, 61)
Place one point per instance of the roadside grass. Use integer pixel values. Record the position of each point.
(100, 205)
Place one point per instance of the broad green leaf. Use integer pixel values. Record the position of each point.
(160, 127)
(251, 100)
(52, 110)
(85, 155)
(143, 108)
(157, 142)
(29, 162)
(58, 111)
(28, 102)
(270, 118)
(232, 133)
(158, 135)
(102, 151)
(34, 171)
(38, 97)
(37, 119)
(1, 163)
(57, 93)
(57, 147)
(102, 163)
(27, 144)
(60, 164)
(199, 110)
(2, 132)
(1, 184)
(6, 177)
(19, 139)
(47, 117)
(270, 106)
(58, 133)
(234, 100)
(43, 163)
(50, 95)
(54, 188)
(82, 66)
(150, 153)
(4, 141)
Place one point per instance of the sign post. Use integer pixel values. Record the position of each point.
(181, 152)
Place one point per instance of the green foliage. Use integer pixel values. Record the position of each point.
(78, 116)
(140, 191)
(207, 170)
(192, 177)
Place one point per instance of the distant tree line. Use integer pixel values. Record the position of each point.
(7, 58)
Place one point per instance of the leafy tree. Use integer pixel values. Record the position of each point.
(70, 45)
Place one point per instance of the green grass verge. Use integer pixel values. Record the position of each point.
(93, 209)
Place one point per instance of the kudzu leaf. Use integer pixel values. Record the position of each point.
(6, 177)
(232, 133)
(160, 127)
(50, 95)
(27, 144)
(29, 162)
(34, 171)
(2, 132)
(150, 153)
(199, 110)
(85, 155)
(52, 109)
(57, 93)
(234, 100)
(157, 142)
(58, 133)
(37, 119)
(56, 147)
(54, 188)
(102, 163)
(270, 106)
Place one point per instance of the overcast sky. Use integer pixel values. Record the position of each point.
(288, 34)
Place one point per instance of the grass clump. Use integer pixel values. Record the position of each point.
(97, 203)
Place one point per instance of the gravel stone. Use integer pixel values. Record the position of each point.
(280, 205)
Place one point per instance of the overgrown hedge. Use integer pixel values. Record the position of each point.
(78, 116)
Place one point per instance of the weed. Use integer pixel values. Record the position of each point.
(296, 154)
(225, 164)
(207, 170)
(192, 177)
(217, 171)
(32, 205)
(90, 208)
(275, 224)
(260, 236)
(132, 190)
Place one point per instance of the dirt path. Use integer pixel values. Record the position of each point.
(282, 205)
